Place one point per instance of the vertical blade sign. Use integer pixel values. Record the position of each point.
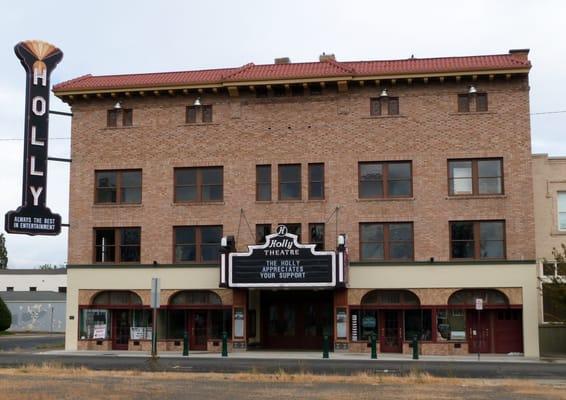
(33, 217)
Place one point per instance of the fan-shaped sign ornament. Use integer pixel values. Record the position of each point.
(33, 217)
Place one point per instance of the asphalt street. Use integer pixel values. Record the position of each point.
(29, 342)
(499, 370)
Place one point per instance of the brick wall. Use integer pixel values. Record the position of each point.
(334, 128)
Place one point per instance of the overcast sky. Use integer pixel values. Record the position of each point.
(114, 37)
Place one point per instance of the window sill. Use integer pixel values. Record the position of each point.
(200, 124)
(113, 128)
(476, 196)
(290, 201)
(386, 199)
(472, 113)
(199, 203)
(117, 205)
(555, 232)
(384, 116)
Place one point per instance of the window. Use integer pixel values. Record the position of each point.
(263, 182)
(117, 245)
(62, 289)
(561, 200)
(386, 241)
(295, 229)
(197, 243)
(290, 182)
(316, 181)
(191, 116)
(385, 179)
(120, 187)
(112, 117)
(418, 323)
(451, 325)
(477, 239)
(127, 117)
(33, 289)
(378, 106)
(198, 184)
(316, 236)
(9, 289)
(261, 231)
(467, 101)
(475, 177)
(194, 113)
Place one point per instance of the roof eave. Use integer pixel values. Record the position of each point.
(62, 92)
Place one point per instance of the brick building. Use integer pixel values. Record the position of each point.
(423, 164)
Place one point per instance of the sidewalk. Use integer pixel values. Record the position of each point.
(305, 355)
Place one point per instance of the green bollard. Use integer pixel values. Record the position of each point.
(373, 346)
(224, 344)
(325, 346)
(415, 348)
(186, 344)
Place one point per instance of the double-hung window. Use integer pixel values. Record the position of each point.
(197, 243)
(290, 182)
(386, 241)
(117, 245)
(118, 187)
(385, 179)
(477, 239)
(561, 202)
(200, 184)
(263, 182)
(475, 176)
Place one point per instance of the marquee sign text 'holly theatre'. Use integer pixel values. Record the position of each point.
(283, 262)
(33, 217)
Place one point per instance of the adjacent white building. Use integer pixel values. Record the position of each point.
(33, 280)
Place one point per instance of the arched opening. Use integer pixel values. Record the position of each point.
(200, 314)
(390, 298)
(467, 297)
(195, 298)
(394, 316)
(116, 298)
(118, 316)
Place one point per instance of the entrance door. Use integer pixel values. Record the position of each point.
(390, 340)
(120, 329)
(296, 319)
(197, 329)
(508, 331)
(479, 331)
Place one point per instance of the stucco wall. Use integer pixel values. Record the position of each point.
(549, 178)
(37, 316)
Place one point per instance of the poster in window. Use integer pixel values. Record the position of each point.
(99, 332)
(341, 323)
(239, 322)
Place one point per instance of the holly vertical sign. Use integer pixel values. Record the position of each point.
(33, 217)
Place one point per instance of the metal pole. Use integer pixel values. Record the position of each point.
(154, 335)
(478, 334)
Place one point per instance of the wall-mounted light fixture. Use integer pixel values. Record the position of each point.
(197, 102)
(383, 93)
(472, 90)
(117, 106)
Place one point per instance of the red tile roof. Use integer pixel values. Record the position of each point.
(297, 71)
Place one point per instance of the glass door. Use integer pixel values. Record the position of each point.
(120, 329)
(390, 340)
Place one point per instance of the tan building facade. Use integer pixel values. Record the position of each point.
(423, 164)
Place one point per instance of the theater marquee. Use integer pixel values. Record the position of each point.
(283, 262)
(33, 217)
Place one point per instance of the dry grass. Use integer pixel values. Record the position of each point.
(55, 381)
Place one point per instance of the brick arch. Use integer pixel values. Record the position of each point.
(383, 297)
(133, 297)
(208, 297)
(355, 296)
(225, 295)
